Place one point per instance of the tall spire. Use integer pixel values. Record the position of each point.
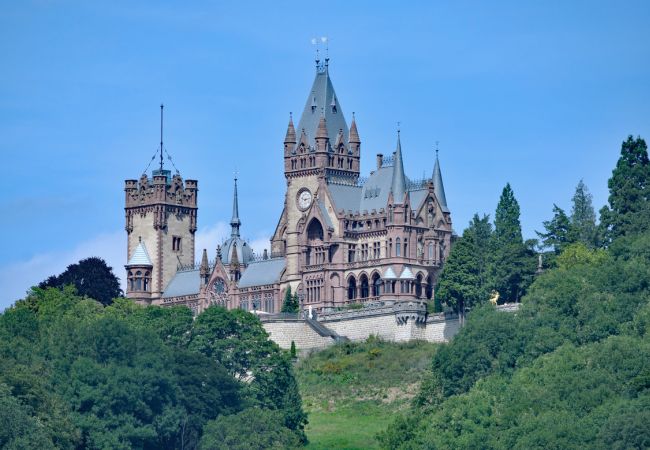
(204, 266)
(398, 185)
(438, 187)
(322, 100)
(235, 223)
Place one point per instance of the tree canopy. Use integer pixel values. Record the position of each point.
(92, 277)
(76, 374)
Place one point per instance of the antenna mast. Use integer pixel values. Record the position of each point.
(161, 137)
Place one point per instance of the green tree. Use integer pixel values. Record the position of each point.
(628, 211)
(558, 231)
(583, 217)
(237, 340)
(513, 262)
(92, 277)
(464, 279)
(251, 429)
(290, 303)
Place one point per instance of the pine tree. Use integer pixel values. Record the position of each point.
(464, 279)
(559, 231)
(512, 263)
(583, 217)
(628, 211)
(290, 303)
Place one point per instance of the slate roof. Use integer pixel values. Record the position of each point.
(244, 251)
(185, 282)
(372, 195)
(407, 274)
(263, 272)
(140, 256)
(326, 216)
(389, 274)
(322, 100)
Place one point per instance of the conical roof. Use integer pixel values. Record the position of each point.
(140, 256)
(438, 187)
(322, 101)
(398, 184)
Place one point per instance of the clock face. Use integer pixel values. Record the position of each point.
(304, 199)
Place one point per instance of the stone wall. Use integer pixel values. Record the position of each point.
(283, 331)
(401, 322)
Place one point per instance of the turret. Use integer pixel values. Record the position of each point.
(290, 138)
(205, 268)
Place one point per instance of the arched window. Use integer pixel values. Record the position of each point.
(315, 230)
(429, 290)
(376, 285)
(147, 280)
(398, 247)
(390, 248)
(418, 286)
(352, 289)
(390, 214)
(406, 253)
(430, 251)
(364, 286)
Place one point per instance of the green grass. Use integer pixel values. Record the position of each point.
(353, 391)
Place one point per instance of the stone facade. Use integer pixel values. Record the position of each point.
(340, 239)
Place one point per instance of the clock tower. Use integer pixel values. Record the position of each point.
(322, 148)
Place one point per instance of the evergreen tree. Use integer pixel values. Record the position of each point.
(559, 231)
(290, 303)
(628, 211)
(464, 279)
(92, 277)
(583, 217)
(513, 263)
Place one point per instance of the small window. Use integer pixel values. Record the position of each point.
(176, 243)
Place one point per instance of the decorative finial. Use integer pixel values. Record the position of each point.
(398, 127)
(436, 149)
(161, 137)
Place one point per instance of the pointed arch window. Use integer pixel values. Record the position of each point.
(398, 247)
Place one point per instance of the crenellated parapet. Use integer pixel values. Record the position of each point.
(161, 195)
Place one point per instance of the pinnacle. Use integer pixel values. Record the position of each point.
(354, 133)
(321, 133)
(290, 138)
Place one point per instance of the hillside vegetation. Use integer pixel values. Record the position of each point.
(569, 370)
(352, 391)
(75, 374)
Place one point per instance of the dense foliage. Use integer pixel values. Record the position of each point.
(570, 369)
(91, 276)
(76, 374)
(484, 261)
(290, 303)
(563, 230)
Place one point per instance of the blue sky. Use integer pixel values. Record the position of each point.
(538, 94)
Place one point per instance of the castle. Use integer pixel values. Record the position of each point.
(340, 239)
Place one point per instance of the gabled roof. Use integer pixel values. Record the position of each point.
(323, 212)
(260, 273)
(186, 282)
(322, 100)
(140, 256)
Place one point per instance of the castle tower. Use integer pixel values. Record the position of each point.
(160, 215)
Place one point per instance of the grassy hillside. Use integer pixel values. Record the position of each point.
(352, 391)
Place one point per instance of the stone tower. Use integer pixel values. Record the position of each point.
(321, 148)
(161, 216)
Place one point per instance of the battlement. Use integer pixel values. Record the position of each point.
(161, 188)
